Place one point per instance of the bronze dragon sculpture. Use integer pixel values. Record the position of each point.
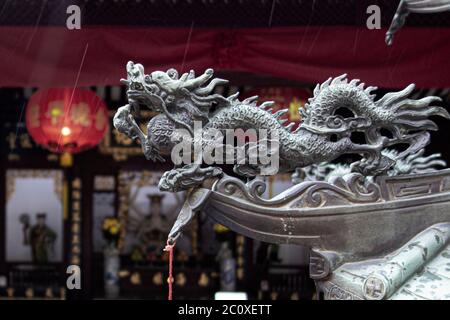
(183, 102)
(322, 136)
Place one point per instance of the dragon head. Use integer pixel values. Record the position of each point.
(159, 89)
(142, 89)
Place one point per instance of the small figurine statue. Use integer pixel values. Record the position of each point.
(40, 237)
(227, 268)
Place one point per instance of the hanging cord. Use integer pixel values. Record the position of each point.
(169, 247)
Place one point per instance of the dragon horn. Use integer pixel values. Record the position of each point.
(279, 113)
(289, 126)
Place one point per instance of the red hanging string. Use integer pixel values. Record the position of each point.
(169, 247)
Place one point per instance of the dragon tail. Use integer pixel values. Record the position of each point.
(408, 119)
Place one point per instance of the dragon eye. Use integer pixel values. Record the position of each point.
(138, 86)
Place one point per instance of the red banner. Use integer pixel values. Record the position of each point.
(55, 56)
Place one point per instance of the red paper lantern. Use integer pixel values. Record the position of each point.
(66, 120)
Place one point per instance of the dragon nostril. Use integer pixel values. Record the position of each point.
(153, 89)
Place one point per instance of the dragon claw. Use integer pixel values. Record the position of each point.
(152, 153)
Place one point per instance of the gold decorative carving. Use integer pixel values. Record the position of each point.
(75, 225)
(76, 195)
(62, 293)
(104, 183)
(240, 242)
(295, 296)
(180, 279)
(75, 260)
(52, 157)
(76, 205)
(13, 157)
(240, 273)
(29, 293)
(12, 175)
(34, 116)
(49, 293)
(10, 292)
(76, 183)
(157, 279)
(203, 281)
(135, 278)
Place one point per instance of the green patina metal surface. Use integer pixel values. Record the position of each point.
(418, 270)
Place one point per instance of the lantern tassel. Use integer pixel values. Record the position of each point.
(169, 247)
